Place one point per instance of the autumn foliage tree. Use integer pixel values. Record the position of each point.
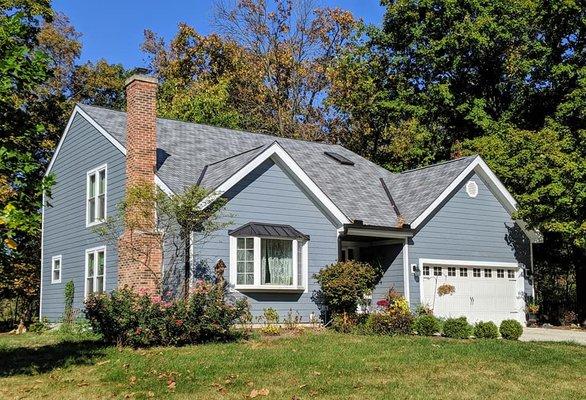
(264, 71)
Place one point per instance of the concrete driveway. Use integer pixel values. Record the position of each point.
(553, 335)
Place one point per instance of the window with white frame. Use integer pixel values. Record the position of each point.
(426, 270)
(56, 269)
(451, 271)
(95, 270)
(96, 195)
(488, 273)
(265, 263)
(476, 272)
(463, 272)
(511, 274)
(500, 273)
(437, 271)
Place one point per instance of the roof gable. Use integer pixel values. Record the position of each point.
(478, 166)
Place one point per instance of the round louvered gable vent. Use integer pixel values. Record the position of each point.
(472, 189)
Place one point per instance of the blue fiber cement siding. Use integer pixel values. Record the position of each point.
(64, 231)
(268, 194)
(389, 258)
(468, 229)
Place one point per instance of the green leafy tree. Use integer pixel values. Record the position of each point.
(505, 79)
(23, 69)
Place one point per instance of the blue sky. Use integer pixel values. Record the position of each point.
(114, 29)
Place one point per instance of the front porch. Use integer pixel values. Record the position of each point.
(387, 250)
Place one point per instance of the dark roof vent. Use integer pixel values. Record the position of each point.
(341, 159)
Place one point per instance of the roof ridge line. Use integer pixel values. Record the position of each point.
(217, 127)
(437, 164)
(235, 155)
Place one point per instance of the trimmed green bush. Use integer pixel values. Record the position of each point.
(344, 284)
(426, 325)
(486, 330)
(511, 329)
(457, 328)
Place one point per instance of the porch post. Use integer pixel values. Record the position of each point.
(406, 272)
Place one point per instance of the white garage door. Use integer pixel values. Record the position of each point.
(480, 293)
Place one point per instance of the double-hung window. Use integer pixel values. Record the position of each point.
(266, 263)
(96, 195)
(56, 269)
(95, 270)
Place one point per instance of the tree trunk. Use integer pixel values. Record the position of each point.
(579, 257)
(186, 265)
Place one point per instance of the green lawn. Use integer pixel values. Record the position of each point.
(322, 365)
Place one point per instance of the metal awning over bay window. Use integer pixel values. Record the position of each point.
(268, 257)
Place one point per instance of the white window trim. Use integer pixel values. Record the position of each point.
(94, 250)
(53, 259)
(257, 286)
(87, 194)
(469, 264)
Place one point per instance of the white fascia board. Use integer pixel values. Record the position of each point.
(465, 263)
(77, 110)
(280, 156)
(479, 166)
(379, 233)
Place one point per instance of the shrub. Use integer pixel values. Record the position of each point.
(396, 319)
(130, 319)
(344, 323)
(511, 329)
(486, 330)
(39, 325)
(292, 320)
(423, 309)
(69, 294)
(270, 317)
(426, 325)
(457, 328)
(344, 284)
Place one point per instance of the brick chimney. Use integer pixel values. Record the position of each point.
(139, 250)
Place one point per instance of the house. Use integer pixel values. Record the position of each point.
(294, 206)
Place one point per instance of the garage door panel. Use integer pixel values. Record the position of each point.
(486, 298)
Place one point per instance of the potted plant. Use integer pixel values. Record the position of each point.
(531, 310)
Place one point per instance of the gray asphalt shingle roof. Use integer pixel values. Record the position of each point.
(190, 153)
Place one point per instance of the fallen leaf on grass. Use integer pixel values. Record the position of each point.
(103, 362)
(260, 392)
(132, 380)
(171, 384)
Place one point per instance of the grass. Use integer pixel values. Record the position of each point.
(323, 365)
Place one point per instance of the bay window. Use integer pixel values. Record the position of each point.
(268, 263)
